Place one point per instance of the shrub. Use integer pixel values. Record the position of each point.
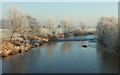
(107, 31)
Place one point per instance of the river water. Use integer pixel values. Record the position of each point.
(61, 57)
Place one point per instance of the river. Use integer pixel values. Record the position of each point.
(61, 57)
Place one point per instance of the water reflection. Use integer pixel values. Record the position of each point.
(12, 63)
(66, 47)
(0, 65)
(49, 49)
(61, 57)
(19, 63)
(108, 62)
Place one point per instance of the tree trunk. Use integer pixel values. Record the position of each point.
(12, 35)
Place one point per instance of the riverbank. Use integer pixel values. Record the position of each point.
(20, 45)
(47, 59)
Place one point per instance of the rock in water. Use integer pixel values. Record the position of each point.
(84, 46)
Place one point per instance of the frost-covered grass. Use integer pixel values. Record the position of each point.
(107, 31)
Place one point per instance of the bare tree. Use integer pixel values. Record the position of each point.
(18, 22)
(67, 23)
(51, 23)
(82, 25)
(34, 25)
(107, 31)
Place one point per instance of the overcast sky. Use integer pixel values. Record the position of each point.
(87, 11)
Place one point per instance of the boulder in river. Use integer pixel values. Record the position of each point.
(84, 46)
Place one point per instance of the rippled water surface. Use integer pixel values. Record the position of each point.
(61, 57)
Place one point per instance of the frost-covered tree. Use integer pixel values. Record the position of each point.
(51, 23)
(18, 22)
(107, 31)
(82, 25)
(34, 25)
(67, 24)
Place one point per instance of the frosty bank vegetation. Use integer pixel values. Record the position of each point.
(107, 32)
(23, 24)
(25, 32)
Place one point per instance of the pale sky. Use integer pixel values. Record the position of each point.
(90, 12)
(59, 0)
